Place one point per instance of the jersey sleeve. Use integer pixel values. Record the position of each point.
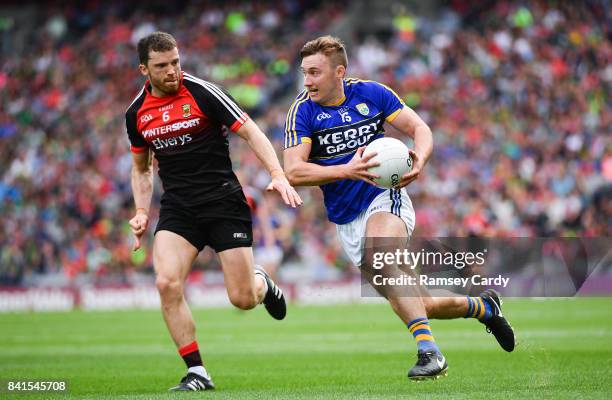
(390, 103)
(137, 143)
(216, 103)
(297, 124)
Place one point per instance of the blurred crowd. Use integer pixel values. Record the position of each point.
(517, 95)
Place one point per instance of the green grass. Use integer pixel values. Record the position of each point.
(336, 352)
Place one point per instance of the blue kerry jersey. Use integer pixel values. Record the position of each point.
(336, 132)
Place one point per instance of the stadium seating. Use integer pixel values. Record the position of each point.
(515, 95)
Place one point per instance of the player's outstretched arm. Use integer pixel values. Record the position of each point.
(409, 122)
(303, 173)
(264, 150)
(142, 188)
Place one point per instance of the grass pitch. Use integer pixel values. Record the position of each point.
(336, 352)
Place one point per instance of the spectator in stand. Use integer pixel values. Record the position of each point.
(515, 95)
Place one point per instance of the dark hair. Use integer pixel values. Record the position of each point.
(156, 41)
(330, 46)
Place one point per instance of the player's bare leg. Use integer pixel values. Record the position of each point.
(486, 308)
(244, 289)
(248, 285)
(387, 225)
(431, 364)
(445, 307)
(172, 259)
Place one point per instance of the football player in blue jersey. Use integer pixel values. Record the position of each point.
(326, 131)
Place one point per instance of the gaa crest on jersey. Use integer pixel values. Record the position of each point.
(362, 108)
(186, 110)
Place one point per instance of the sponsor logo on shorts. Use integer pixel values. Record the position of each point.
(376, 208)
(240, 235)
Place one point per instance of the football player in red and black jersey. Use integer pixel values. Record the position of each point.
(183, 121)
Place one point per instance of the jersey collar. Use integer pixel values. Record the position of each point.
(337, 103)
(341, 100)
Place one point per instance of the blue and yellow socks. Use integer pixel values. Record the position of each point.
(478, 308)
(422, 334)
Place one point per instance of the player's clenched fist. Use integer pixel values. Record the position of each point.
(139, 224)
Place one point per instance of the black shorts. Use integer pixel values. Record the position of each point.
(223, 224)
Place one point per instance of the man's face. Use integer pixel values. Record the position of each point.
(322, 80)
(164, 71)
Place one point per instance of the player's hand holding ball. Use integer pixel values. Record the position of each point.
(417, 167)
(398, 165)
(139, 224)
(361, 166)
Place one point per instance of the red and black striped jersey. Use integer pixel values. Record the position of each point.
(187, 132)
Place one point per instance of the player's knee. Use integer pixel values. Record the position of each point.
(169, 287)
(243, 299)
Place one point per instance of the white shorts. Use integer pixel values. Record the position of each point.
(352, 234)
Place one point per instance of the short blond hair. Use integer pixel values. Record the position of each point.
(330, 46)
